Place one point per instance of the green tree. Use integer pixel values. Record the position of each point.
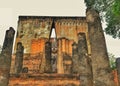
(112, 60)
(0, 49)
(110, 11)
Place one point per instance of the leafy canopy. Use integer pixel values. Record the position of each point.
(112, 60)
(110, 10)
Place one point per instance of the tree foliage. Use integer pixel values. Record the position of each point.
(112, 60)
(0, 49)
(110, 10)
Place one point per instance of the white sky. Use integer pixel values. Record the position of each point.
(11, 9)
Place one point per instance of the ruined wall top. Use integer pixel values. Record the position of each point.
(51, 17)
(36, 27)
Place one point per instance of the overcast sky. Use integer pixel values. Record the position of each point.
(11, 9)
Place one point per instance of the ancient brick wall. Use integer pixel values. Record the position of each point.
(74, 65)
(6, 56)
(31, 28)
(102, 73)
(38, 45)
(44, 80)
(114, 72)
(33, 32)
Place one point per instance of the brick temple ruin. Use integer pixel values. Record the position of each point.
(75, 55)
(47, 56)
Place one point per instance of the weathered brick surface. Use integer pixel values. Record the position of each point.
(118, 69)
(19, 58)
(115, 74)
(32, 27)
(44, 80)
(102, 74)
(5, 57)
(75, 58)
(81, 62)
(90, 50)
(48, 67)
